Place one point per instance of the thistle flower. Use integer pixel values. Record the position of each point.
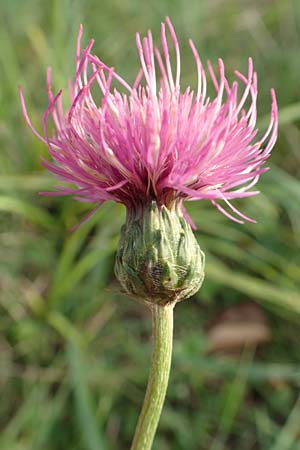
(152, 142)
(151, 147)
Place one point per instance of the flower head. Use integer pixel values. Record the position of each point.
(155, 141)
(151, 148)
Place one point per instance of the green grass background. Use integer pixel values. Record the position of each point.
(74, 352)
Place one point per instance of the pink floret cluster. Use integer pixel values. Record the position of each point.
(152, 140)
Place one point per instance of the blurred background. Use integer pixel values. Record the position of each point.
(74, 351)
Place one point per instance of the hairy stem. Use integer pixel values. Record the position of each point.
(162, 320)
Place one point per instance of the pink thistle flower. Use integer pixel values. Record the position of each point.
(156, 142)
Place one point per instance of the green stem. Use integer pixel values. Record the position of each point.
(162, 320)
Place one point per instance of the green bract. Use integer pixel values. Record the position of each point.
(158, 259)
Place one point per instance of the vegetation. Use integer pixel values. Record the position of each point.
(74, 351)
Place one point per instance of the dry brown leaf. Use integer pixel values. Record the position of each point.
(237, 327)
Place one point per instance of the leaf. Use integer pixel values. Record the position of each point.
(289, 433)
(31, 213)
(20, 182)
(283, 300)
(91, 432)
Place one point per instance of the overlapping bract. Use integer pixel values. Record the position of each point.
(156, 142)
